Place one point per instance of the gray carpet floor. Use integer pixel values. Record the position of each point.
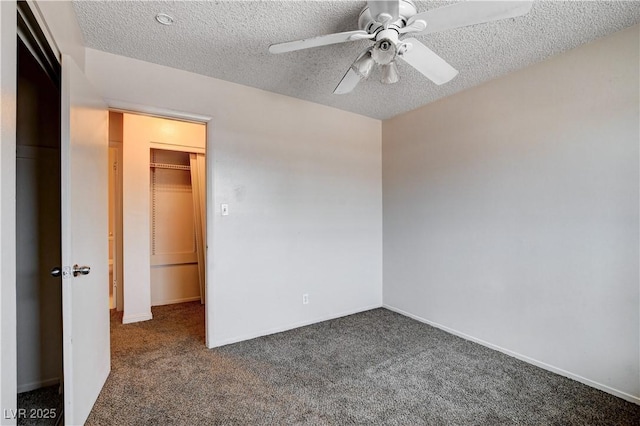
(43, 407)
(375, 367)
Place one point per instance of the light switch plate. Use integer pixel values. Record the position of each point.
(224, 209)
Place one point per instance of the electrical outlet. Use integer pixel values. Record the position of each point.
(305, 299)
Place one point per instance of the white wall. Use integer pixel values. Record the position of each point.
(63, 29)
(8, 382)
(511, 213)
(303, 186)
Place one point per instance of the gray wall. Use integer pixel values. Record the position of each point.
(511, 213)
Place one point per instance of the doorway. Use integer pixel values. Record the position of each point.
(38, 230)
(161, 196)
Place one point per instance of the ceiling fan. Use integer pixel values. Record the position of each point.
(388, 22)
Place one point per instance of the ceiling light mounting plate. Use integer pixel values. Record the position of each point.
(165, 19)
(373, 24)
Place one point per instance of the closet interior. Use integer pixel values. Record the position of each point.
(177, 209)
(38, 224)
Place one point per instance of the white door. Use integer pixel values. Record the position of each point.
(85, 298)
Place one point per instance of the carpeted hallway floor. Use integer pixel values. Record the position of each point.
(376, 367)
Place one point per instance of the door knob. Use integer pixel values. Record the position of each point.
(56, 271)
(81, 270)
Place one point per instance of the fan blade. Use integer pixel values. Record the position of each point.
(360, 69)
(468, 13)
(388, 7)
(428, 62)
(322, 40)
(348, 82)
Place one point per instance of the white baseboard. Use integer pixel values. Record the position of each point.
(217, 343)
(544, 365)
(26, 387)
(128, 319)
(174, 301)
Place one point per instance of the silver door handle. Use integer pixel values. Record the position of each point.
(81, 270)
(56, 272)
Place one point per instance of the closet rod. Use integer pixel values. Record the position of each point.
(169, 166)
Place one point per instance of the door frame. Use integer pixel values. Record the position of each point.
(8, 89)
(133, 108)
(117, 228)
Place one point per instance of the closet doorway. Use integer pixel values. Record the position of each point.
(38, 225)
(157, 200)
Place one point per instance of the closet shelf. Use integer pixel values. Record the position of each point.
(169, 166)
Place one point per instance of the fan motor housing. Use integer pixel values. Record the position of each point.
(369, 24)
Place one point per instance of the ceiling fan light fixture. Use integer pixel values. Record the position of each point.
(384, 51)
(363, 65)
(390, 73)
(386, 22)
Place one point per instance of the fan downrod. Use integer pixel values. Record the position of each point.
(374, 24)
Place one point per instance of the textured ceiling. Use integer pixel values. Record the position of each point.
(229, 40)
